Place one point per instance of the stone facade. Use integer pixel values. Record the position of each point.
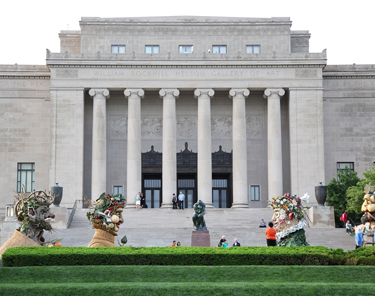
(285, 117)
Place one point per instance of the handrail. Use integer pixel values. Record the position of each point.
(72, 213)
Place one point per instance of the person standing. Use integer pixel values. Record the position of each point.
(174, 243)
(181, 198)
(174, 201)
(138, 200)
(143, 201)
(271, 235)
(358, 236)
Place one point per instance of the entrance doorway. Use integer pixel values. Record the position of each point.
(152, 190)
(187, 185)
(221, 197)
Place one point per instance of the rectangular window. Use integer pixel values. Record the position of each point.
(186, 183)
(219, 49)
(185, 49)
(254, 192)
(342, 165)
(25, 176)
(117, 189)
(118, 48)
(152, 183)
(252, 48)
(152, 48)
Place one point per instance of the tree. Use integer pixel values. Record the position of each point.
(336, 191)
(355, 195)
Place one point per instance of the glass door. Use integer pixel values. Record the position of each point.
(152, 190)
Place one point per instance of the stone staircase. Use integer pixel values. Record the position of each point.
(159, 227)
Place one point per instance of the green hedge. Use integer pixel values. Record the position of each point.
(63, 256)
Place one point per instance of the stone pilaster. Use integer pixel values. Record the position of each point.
(274, 148)
(99, 142)
(169, 97)
(204, 145)
(134, 157)
(240, 188)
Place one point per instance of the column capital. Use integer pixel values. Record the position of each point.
(273, 91)
(99, 91)
(238, 91)
(169, 91)
(204, 91)
(139, 92)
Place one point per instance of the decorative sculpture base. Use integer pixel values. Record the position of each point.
(319, 216)
(18, 240)
(200, 238)
(102, 238)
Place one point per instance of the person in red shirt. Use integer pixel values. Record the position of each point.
(271, 235)
(174, 244)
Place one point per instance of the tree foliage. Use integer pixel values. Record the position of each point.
(337, 189)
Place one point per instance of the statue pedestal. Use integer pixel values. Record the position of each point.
(200, 238)
(321, 217)
(61, 217)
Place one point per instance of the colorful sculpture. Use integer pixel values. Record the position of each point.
(289, 220)
(106, 219)
(368, 205)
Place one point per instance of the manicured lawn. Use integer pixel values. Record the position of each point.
(187, 280)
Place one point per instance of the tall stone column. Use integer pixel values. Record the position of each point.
(274, 148)
(169, 97)
(134, 157)
(240, 188)
(204, 145)
(99, 142)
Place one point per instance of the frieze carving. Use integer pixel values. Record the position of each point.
(67, 73)
(306, 73)
(254, 127)
(152, 127)
(221, 127)
(118, 128)
(183, 30)
(186, 127)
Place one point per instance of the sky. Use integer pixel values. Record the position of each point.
(345, 28)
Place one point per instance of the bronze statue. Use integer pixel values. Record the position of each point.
(198, 217)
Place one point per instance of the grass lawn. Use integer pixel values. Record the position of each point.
(187, 280)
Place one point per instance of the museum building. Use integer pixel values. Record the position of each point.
(232, 111)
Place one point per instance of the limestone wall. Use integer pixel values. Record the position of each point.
(25, 126)
(349, 108)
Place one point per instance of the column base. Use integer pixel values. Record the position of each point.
(200, 238)
(240, 205)
(130, 206)
(209, 205)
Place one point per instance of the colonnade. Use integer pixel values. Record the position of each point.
(169, 165)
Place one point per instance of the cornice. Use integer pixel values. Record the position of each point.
(185, 66)
(350, 77)
(23, 77)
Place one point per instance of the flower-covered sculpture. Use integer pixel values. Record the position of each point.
(368, 205)
(289, 220)
(106, 218)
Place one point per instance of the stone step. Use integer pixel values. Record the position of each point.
(159, 227)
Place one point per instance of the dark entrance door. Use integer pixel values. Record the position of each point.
(186, 183)
(221, 191)
(152, 190)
